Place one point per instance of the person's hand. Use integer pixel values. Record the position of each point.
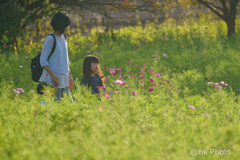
(71, 83)
(56, 82)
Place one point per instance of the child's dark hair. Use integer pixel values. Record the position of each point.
(87, 69)
(60, 21)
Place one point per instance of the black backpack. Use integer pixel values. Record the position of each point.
(36, 68)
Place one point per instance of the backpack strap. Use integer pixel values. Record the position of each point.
(54, 46)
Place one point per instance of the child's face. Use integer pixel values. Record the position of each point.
(94, 67)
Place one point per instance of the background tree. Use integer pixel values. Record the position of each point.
(225, 9)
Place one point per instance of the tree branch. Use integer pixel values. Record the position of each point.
(208, 6)
(6, 4)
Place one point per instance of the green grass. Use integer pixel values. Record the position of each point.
(157, 125)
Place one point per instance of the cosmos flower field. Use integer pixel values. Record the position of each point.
(170, 90)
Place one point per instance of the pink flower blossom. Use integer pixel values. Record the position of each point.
(100, 109)
(164, 55)
(111, 69)
(151, 69)
(141, 70)
(113, 72)
(96, 53)
(169, 90)
(106, 95)
(150, 89)
(152, 80)
(107, 78)
(120, 77)
(215, 84)
(136, 65)
(153, 84)
(141, 76)
(154, 55)
(119, 69)
(26, 57)
(220, 87)
(176, 90)
(160, 82)
(134, 93)
(130, 76)
(143, 93)
(141, 81)
(145, 65)
(223, 83)
(164, 37)
(102, 76)
(88, 52)
(106, 69)
(121, 72)
(120, 82)
(76, 43)
(207, 115)
(9, 91)
(210, 82)
(88, 44)
(167, 81)
(31, 90)
(192, 107)
(127, 86)
(130, 62)
(47, 74)
(5, 45)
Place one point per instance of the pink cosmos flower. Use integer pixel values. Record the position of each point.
(111, 69)
(223, 83)
(88, 52)
(143, 93)
(120, 82)
(17, 92)
(26, 57)
(136, 65)
(88, 44)
(160, 82)
(119, 69)
(31, 90)
(151, 69)
(106, 95)
(167, 81)
(164, 37)
(113, 72)
(207, 115)
(106, 69)
(102, 76)
(130, 76)
(220, 87)
(169, 90)
(141, 70)
(127, 86)
(158, 75)
(176, 90)
(215, 84)
(150, 89)
(141, 76)
(152, 80)
(107, 78)
(121, 72)
(164, 55)
(120, 77)
(96, 53)
(137, 46)
(130, 62)
(76, 43)
(141, 81)
(145, 65)
(192, 107)
(47, 74)
(134, 93)
(100, 109)
(17, 55)
(5, 45)
(9, 91)
(210, 82)
(153, 84)
(154, 55)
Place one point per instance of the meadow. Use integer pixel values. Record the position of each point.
(186, 103)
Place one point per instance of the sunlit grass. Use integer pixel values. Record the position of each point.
(156, 125)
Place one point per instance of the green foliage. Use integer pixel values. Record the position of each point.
(156, 125)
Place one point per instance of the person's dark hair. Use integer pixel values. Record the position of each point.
(60, 21)
(87, 69)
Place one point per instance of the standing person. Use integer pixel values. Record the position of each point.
(92, 74)
(56, 71)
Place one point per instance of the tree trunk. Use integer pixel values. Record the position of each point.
(230, 19)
